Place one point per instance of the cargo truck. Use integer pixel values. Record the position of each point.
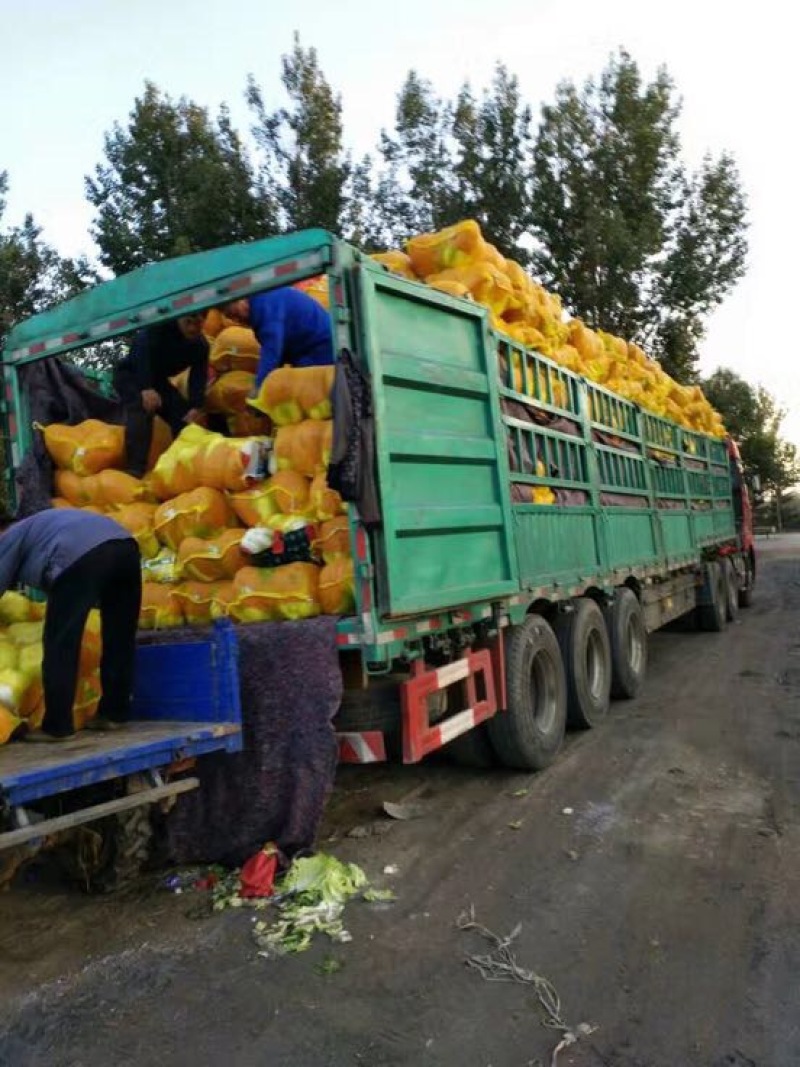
(488, 617)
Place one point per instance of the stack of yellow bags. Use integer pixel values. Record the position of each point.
(460, 262)
(191, 510)
(21, 693)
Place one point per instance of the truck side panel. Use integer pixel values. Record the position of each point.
(445, 538)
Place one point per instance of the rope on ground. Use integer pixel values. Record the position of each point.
(500, 965)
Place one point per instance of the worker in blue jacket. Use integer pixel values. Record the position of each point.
(81, 561)
(291, 327)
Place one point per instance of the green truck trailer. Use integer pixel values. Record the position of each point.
(486, 620)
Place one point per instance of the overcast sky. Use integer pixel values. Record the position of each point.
(70, 68)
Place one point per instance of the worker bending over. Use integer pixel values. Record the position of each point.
(290, 325)
(142, 381)
(81, 561)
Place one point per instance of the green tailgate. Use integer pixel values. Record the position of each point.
(445, 538)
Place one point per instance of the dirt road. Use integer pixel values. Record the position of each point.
(655, 870)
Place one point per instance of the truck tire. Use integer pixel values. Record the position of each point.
(586, 650)
(731, 576)
(628, 636)
(528, 734)
(109, 854)
(746, 593)
(712, 617)
(473, 749)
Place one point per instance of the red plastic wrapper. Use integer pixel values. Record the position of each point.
(258, 873)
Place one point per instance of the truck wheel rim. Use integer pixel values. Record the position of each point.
(544, 692)
(595, 665)
(634, 645)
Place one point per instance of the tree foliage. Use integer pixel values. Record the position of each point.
(174, 180)
(632, 241)
(304, 168)
(33, 276)
(754, 419)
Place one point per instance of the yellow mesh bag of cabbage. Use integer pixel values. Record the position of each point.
(201, 458)
(305, 448)
(88, 448)
(212, 560)
(160, 609)
(276, 593)
(108, 489)
(235, 348)
(228, 394)
(290, 394)
(14, 607)
(202, 602)
(285, 493)
(337, 587)
(202, 513)
(324, 502)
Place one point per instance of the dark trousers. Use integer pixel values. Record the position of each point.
(138, 424)
(108, 577)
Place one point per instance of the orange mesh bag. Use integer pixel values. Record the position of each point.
(112, 489)
(317, 288)
(160, 441)
(228, 464)
(333, 540)
(160, 609)
(397, 262)
(223, 596)
(87, 699)
(305, 448)
(449, 286)
(212, 560)
(235, 348)
(138, 520)
(488, 285)
(454, 246)
(197, 601)
(277, 398)
(199, 458)
(312, 387)
(289, 592)
(249, 424)
(290, 492)
(87, 448)
(72, 487)
(215, 322)
(91, 643)
(337, 588)
(228, 395)
(32, 706)
(9, 723)
(254, 507)
(203, 512)
(324, 502)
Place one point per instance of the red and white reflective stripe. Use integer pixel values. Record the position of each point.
(346, 640)
(419, 736)
(428, 626)
(366, 747)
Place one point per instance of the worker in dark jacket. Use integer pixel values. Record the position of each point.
(157, 354)
(81, 561)
(290, 325)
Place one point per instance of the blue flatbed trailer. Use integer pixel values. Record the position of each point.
(186, 704)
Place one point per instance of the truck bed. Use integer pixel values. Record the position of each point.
(31, 772)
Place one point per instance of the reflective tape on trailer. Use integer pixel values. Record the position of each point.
(365, 747)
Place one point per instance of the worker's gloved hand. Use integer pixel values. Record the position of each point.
(151, 401)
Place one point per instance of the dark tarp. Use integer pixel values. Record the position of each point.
(276, 788)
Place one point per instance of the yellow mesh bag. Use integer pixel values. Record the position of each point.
(324, 502)
(211, 560)
(289, 592)
(337, 588)
(160, 608)
(235, 348)
(333, 539)
(88, 448)
(454, 246)
(304, 448)
(228, 394)
(203, 512)
(397, 262)
(138, 520)
(277, 398)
